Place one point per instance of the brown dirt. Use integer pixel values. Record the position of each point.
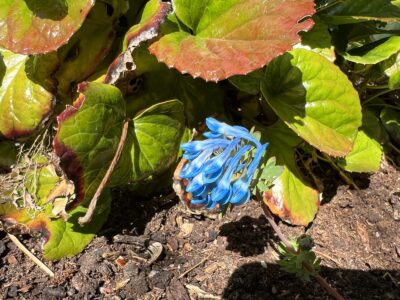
(356, 235)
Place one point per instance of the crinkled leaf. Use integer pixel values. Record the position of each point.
(353, 11)
(252, 32)
(315, 99)
(372, 54)
(291, 198)
(122, 71)
(26, 97)
(367, 151)
(391, 121)
(36, 26)
(88, 135)
(69, 238)
(153, 142)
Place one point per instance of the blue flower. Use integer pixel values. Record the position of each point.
(220, 168)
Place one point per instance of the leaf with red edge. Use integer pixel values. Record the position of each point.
(26, 93)
(36, 26)
(232, 37)
(291, 197)
(122, 70)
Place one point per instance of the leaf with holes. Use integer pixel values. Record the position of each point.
(122, 70)
(35, 26)
(315, 99)
(291, 197)
(26, 93)
(232, 37)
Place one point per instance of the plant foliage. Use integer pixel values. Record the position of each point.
(318, 80)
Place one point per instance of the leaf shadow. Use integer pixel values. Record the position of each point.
(248, 236)
(54, 10)
(255, 281)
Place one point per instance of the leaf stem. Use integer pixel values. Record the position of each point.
(346, 178)
(93, 203)
(378, 95)
(385, 105)
(330, 290)
(36, 260)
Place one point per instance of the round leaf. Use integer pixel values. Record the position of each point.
(36, 26)
(232, 37)
(24, 102)
(315, 99)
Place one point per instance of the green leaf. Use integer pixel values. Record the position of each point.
(201, 99)
(87, 48)
(391, 121)
(90, 131)
(353, 11)
(36, 26)
(249, 83)
(252, 32)
(68, 238)
(365, 55)
(88, 136)
(391, 68)
(26, 99)
(367, 151)
(291, 198)
(319, 40)
(153, 142)
(190, 12)
(315, 99)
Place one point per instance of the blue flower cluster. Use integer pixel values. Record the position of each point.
(220, 170)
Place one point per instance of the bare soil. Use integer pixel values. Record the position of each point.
(356, 234)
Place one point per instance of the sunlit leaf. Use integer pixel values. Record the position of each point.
(26, 94)
(291, 198)
(391, 68)
(69, 238)
(315, 99)
(35, 26)
(88, 135)
(367, 151)
(232, 37)
(371, 54)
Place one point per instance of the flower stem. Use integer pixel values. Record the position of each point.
(330, 290)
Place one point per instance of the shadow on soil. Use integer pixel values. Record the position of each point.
(248, 236)
(254, 281)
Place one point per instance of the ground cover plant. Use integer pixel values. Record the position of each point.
(236, 100)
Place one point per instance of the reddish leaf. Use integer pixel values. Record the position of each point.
(36, 26)
(123, 67)
(235, 38)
